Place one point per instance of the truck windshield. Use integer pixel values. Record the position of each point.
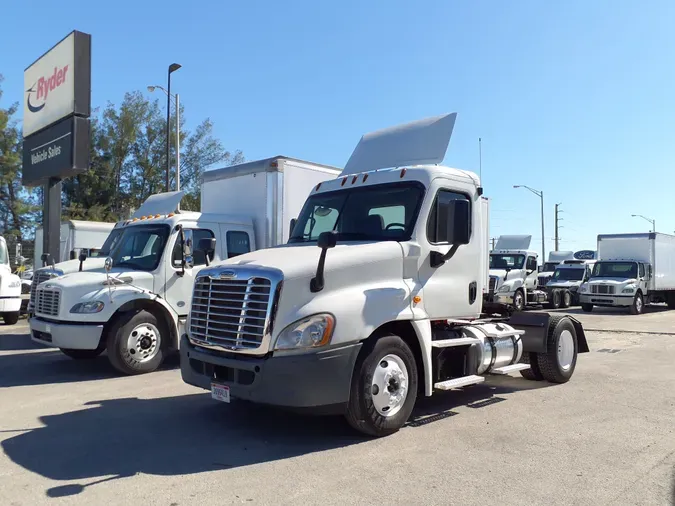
(568, 274)
(549, 267)
(615, 270)
(108, 245)
(140, 247)
(373, 213)
(499, 261)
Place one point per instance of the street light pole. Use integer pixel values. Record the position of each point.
(539, 194)
(653, 222)
(176, 96)
(172, 68)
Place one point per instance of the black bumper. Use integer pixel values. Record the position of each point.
(310, 381)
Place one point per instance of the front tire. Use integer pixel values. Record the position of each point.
(11, 318)
(137, 342)
(557, 364)
(519, 300)
(587, 308)
(81, 354)
(638, 304)
(384, 387)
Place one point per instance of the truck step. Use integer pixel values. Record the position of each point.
(459, 382)
(460, 341)
(508, 369)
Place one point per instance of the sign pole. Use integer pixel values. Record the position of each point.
(51, 219)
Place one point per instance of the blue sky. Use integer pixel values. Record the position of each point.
(574, 98)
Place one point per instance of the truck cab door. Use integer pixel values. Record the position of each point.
(179, 279)
(531, 273)
(643, 278)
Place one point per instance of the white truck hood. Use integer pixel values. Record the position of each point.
(70, 266)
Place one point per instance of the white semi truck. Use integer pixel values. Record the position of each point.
(566, 280)
(631, 270)
(10, 288)
(376, 298)
(135, 302)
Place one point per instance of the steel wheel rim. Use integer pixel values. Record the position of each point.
(519, 300)
(638, 303)
(565, 350)
(142, 344)
(389, 387)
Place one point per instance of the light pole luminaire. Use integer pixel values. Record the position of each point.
(653, 222)
(539, 194)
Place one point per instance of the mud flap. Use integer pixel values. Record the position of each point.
(536, 327)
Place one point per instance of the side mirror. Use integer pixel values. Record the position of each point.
(325, 241)
(207, 245)
(186, 238)
(83, 257)
(453, 222)
(292, 226)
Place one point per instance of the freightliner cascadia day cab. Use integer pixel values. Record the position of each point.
(10, 288)
(134, 304)
(376, 298)
(631, 270)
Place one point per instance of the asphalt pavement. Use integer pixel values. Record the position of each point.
(74, 432)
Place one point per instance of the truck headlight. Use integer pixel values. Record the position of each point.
(583, 288)
(95, 306)
(628, 289)
(311, 332)
(504, 289)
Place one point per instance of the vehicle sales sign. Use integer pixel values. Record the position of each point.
(58, 84)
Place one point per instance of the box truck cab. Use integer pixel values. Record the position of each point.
(135, 304)
(76, 236)
(513, 272)
(10, 288)
(632, 270)
(376, 297)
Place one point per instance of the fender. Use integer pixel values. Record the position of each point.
(152, 303)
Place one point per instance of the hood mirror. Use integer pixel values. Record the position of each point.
(326, 241)
(108, 265)
(83, 257)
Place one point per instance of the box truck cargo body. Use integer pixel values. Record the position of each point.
(632, 270)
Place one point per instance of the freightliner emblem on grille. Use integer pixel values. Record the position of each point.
(227, 275)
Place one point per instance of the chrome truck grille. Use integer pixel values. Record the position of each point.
(606, 289)
(542, 280)
(232, 311)
(39, 277)
(47, 301)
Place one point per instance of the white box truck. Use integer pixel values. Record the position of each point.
(134, 304)
(77, 237)
(631, 270)
(376, 298)
(10, 288)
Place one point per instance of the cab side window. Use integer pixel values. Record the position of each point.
(641, 270)
(531, 264)
(198, 256)
(238, 243)
(436, 231)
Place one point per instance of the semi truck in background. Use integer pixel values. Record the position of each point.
(10, 288)
(631, 270)
(376, 298)
(555, 258)
(76, 237)
(134, 303)
(566, 280)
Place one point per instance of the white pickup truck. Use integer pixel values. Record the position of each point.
(375, 300)
(134, 303)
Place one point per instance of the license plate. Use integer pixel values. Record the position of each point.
(220, 392)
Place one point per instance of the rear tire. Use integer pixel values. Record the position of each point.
(566, 299)
(638, 304)
(533, 373)
(558, 363)
(11, 318)
(555, 299)
(137, 342)
(671, 300)
(384, 387)
(81, 354)
(587, 308)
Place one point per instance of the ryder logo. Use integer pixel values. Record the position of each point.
(37, 94)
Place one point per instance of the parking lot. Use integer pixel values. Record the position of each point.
(76, 432)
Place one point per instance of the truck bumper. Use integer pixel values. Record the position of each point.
(318, 381)
(607, 300)
(61, 335)
(504, 298)
(10, 304)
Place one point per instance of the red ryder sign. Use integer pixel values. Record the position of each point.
(57, 84)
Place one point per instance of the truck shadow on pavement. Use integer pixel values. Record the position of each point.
(171, 436)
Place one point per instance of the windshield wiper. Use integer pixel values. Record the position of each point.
(130, 264)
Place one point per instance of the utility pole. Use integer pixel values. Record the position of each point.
(493, 243)
(557, 237)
